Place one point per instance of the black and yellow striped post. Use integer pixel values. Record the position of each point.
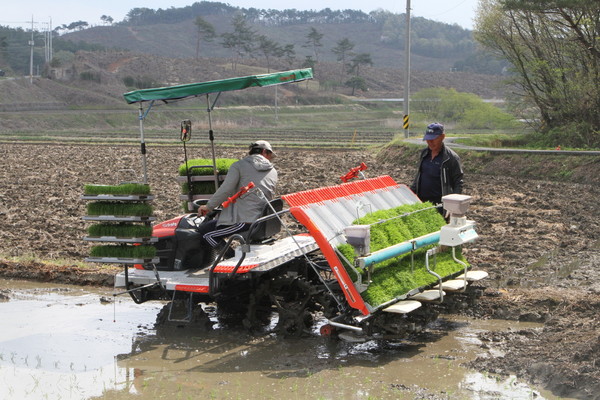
(405, 125)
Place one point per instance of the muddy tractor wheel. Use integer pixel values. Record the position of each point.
(291, 297)
(287, 298)
(176, 314)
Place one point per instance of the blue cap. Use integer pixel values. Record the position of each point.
(433, 131)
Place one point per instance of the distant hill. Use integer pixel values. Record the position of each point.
(435, 46)
(93, 67)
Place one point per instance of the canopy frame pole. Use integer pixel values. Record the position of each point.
(211, 137)
(142, 116)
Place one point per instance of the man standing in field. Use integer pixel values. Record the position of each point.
(439, 172)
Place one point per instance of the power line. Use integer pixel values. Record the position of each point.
(449, 9)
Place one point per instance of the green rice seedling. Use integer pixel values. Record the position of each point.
(122, 189)
(120, 230)
(123, 251)
(223, 165)
(119, 209)
(396, 225)
(397, 276)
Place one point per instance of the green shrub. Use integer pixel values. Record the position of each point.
(120, 230)
(462, 109)
(223, 165)
(573, 135)
(122, 189)
(90, 76)
(123, 251)
(141, 82)
(119, 209)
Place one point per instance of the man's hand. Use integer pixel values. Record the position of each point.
(202, 210)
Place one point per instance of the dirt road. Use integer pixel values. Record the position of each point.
(539, 240)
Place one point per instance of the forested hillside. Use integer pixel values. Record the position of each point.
(301, 38)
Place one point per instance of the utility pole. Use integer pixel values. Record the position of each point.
(51, 50)
(46, 46)
(405, 121)
(48, 41)
(276, 106)
(31, 43)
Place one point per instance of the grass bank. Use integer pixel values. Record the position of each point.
(545, 166)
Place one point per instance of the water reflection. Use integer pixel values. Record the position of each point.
(68, 344)
(61, 343)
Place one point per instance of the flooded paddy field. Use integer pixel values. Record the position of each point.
(539, 241)
(65, 342)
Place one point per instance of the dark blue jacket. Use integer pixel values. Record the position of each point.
(451, 173)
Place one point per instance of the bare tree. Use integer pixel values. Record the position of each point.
(313, 41)
(107, 19)
(241, 40)
(342, 50)
(289, 54)
(269, 49)
(553, 47)
(205, 31)
(358, 82)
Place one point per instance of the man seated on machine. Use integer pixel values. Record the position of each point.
(256, 167)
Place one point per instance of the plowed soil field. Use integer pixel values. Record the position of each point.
(539, 240)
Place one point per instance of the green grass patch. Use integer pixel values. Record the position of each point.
(394, 277)
(223, 165)
(123, 251)
(495, 141)
(120, 230)
(122, 189)
(119, 209)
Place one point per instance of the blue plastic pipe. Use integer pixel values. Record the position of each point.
(399, 249)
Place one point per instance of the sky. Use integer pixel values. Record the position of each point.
(59, 12)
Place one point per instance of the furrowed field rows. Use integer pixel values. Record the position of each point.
(289, 138)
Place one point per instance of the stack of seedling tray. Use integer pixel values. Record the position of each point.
(398, 276)
(201, 179)
(122, 217)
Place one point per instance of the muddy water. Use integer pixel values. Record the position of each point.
(60, 342)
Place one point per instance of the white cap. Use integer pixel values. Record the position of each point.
(262, 144)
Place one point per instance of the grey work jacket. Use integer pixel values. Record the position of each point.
(253, 168)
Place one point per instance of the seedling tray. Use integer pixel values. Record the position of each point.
(200, 178)
(195, 197)
(112, 197)
(115, 239)
(118, 218)
(116, 260)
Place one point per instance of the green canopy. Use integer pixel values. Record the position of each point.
(223, 85)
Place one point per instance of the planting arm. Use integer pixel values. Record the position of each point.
(353, 173)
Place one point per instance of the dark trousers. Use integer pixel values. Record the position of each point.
(213, 233)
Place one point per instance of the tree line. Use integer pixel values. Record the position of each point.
(244, 41)
(147, 16)
(428, 38)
